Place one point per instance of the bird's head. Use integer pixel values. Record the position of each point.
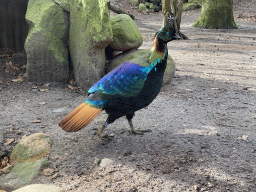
(168, 33)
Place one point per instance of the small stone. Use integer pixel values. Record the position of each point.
(210, 185)
(204, 189)
(48, 172)
(196, 187)
(126, 153)
(59, 110)
(106, 162)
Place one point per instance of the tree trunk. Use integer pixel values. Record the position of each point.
(216, 14)
(173, 8)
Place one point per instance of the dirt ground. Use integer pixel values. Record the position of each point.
(203, 124)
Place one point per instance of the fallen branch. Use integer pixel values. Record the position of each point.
(118, 10)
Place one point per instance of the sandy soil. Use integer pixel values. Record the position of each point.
(203, 124)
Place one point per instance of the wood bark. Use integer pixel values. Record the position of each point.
(216, 14)
(118, 10)
(173, 8)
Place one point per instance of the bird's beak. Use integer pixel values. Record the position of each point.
(177, 36)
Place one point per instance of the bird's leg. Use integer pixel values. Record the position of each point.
(129, 118)
(100, 130)
(133, 130)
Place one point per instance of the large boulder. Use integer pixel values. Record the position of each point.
(142, 56)
(23, 174)
(40, 188)
(90, 33)
(64, 4)
(31, 148)
(126, 34)
(46, 43)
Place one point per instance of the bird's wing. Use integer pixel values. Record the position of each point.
(127, 80)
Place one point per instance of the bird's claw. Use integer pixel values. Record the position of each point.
(104, 137)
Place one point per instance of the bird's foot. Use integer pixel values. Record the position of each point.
(139, 132)
(104, 137)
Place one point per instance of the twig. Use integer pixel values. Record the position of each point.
(119, 10)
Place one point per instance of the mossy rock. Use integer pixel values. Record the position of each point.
(23, 174)
(200, 2)
(40, 188)
(134, 2)
(31, 148)
(64, 4)
(190, 6)
(46, 43)
(216, 15)
(90, 33)
(142, 7)
(126, 34)
(151, 6)
(139, 57)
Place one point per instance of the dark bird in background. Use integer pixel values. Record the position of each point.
(126, 89)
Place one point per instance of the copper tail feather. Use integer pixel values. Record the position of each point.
(79, 118)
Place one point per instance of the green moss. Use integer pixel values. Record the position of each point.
(64, 4)
(50, 20)
(216, 15)
(99, 23)
(142, 7)
(126, 34)
(200, 2)
(37, 9)
(151, 6)
(19, 154)
(30, 151)
(134, 2)
(190, 6)
(23, 174)
(88, 27)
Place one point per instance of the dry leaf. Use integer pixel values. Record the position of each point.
(20, 79)
(54, 176)
(34, 87)
(71, 82)
(74, 88)
(23, 67)
(43, 90)
(6, 169)
(42, 103)
(48, 172)
(9, 141)
(70, 87)
(4, 162)
(37, 121)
